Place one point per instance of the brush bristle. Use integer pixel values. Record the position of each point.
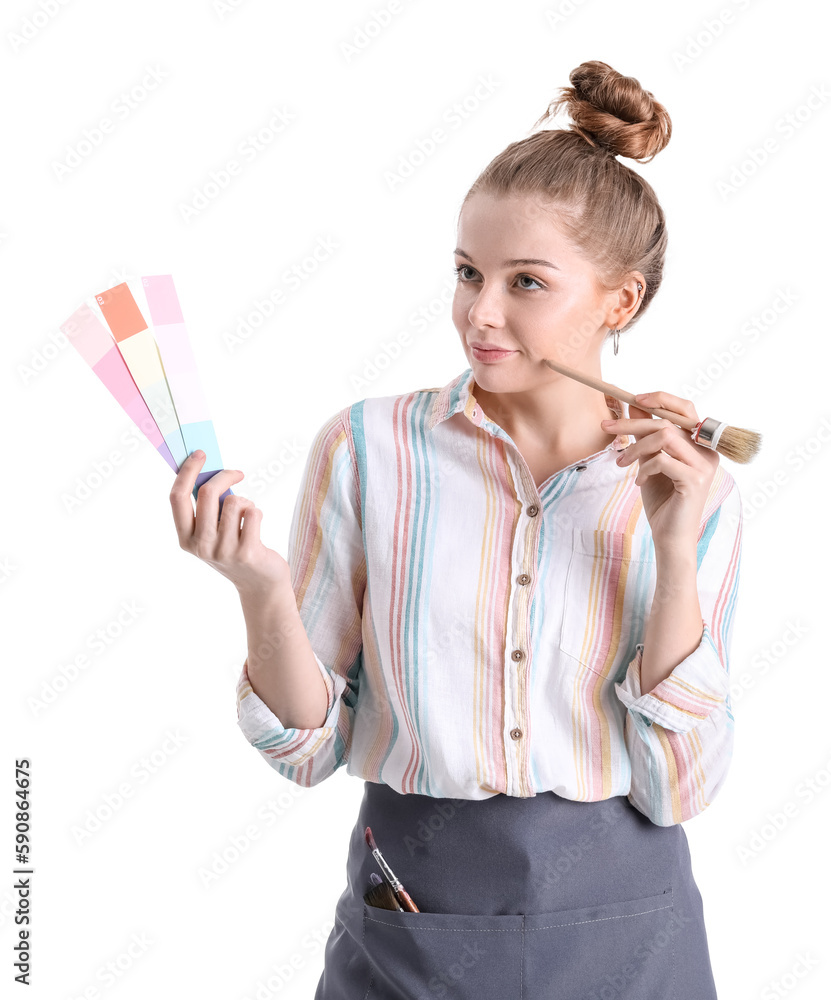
(739, 445)
(382, 896)
(370, 840)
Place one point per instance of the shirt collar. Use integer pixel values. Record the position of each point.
(457, 397)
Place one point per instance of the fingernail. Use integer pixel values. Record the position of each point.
(198, 454)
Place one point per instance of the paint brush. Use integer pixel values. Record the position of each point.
(380, 894)
(735, 443)
(398, 889)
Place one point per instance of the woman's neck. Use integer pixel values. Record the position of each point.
(561, 416)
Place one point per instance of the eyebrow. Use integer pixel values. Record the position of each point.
(516, 262)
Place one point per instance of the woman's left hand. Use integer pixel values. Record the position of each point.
(674, 472)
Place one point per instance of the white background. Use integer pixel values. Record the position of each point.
(735, 255)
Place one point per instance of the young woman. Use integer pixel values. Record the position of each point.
(507, 606)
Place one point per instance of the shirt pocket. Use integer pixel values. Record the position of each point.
(607, 596)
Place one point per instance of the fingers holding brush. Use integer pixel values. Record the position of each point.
(674, 473)
(677, 404)
(654, 435)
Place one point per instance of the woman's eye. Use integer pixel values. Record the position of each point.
(466, 267)
(528, 276)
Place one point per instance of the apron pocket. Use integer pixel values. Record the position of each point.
(623, 950)
(416, 956)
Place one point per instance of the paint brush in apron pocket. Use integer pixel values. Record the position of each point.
(398, 889)
(380, 894)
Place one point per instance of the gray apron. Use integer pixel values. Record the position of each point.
(531, 898)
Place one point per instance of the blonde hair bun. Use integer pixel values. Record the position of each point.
(613, 111)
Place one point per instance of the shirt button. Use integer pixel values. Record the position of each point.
(532, 511)
(517, 654)
(516, 734)
(523, 578)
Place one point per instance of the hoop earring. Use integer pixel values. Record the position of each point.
(616, 333)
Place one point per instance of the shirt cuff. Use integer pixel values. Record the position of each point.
(696, 686)
(264, 730)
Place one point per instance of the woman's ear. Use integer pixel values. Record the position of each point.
(630, 296)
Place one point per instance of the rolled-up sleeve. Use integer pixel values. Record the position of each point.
(328, 574)
(679, 736)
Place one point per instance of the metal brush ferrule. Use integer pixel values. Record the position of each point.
(708, 431)
(385, 868)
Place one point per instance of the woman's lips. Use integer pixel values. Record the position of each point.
(490, 355)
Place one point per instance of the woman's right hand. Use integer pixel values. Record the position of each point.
(230, 543)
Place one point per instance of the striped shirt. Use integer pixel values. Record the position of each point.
(479, 634)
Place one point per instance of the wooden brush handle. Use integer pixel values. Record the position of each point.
(627, 397)
(405, 900)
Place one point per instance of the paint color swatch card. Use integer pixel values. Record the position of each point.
(138, 348)
(179, 364)
(94, 342)
(146, 362)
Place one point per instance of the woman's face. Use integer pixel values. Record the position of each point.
(536, 310)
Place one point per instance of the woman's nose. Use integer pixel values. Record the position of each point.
(487, 309)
